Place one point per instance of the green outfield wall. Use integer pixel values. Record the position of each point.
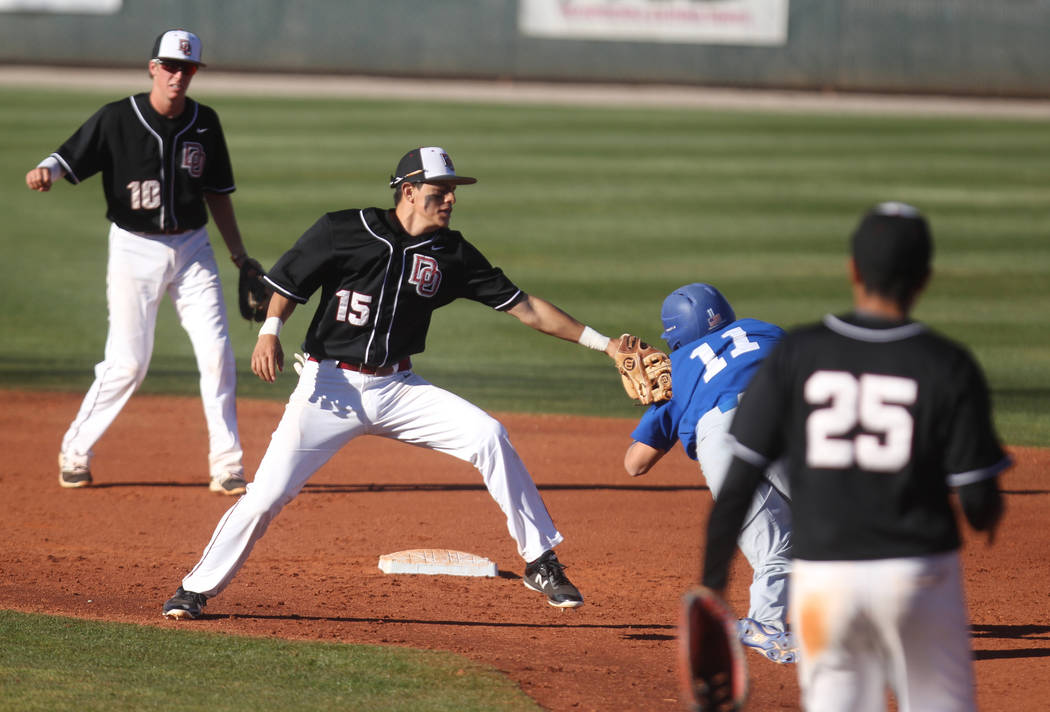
(941, 46)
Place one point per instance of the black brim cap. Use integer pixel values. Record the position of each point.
(892, 238)
(429, 164)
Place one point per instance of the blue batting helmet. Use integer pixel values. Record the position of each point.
(693, 311)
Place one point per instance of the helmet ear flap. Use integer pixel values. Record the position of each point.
(678, 315)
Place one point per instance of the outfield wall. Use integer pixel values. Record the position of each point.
(940, 46)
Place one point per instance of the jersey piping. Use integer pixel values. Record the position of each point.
(169, 175)
(961, 479)
(509, 301)
(382, 290)
(291, 295)
(860, 333)
(160, 144)
(66, 168)
(748, 455)
(397, 296)
(172, 169)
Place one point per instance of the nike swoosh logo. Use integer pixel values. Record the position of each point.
(435, 248)
(201, 130)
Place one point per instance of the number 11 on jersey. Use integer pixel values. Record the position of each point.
(713, 363)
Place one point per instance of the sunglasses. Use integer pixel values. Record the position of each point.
(172, 67)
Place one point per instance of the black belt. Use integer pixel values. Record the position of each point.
(169, 231)
(402, 365)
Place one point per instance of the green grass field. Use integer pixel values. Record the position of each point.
(121, 667)
(602, 211)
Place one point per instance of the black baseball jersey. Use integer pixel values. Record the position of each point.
(155, 170)
(877, 420)
(379, 285)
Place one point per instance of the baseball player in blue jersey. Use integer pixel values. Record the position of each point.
(713, 356)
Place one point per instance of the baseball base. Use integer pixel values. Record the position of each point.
(436, 561)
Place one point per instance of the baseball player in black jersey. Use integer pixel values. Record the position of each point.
(163, 158)
(381, 274)
(879, 419)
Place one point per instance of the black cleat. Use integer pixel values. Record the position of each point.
(546, 575)
(185, 604)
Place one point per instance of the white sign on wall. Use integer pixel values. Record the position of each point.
(747, 22)
(93, 7)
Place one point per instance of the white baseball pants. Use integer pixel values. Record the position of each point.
(332, 406)
(141, 269)
(863, 626)
(765, 539)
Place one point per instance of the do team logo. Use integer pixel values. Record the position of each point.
(425, 275)
(193, 158)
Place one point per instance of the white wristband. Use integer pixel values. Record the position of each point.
(593, 340)
(52, 164)
(272, 325)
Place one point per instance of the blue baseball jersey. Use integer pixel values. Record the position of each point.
(710, 372)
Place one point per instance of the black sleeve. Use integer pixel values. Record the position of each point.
(83, 153)
(973, 451)
(727, 517)
(487, 284)
(757, 424)
(300, 271)
(756, 430)
(982, 503)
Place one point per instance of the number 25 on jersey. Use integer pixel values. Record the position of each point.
(876, 403)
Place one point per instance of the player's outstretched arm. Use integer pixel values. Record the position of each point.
(268, 356)
(543, 316)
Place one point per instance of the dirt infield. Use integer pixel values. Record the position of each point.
(116, 551)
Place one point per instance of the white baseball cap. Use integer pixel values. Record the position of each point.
(180, 45)
(430, 164)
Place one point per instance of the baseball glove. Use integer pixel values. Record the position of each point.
(646, 372)
(253, 295)
(711, 662)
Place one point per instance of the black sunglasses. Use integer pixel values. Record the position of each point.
(173, 67)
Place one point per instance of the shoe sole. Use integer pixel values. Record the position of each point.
(180, 614)
(777, 656)
(563, 604)
(73, 485)
(70, 485)
(770, 648)
(216, 487)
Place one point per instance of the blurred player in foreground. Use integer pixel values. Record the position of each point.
(713, 357)
(879, 419)
(381, 274)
